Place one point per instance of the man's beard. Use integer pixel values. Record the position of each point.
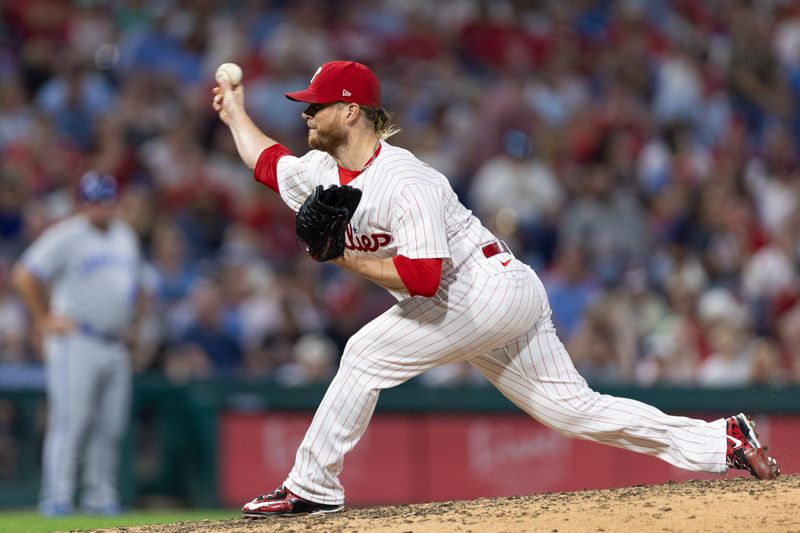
(329, 140)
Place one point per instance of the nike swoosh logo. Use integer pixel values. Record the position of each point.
(736, 442)
(505, 263)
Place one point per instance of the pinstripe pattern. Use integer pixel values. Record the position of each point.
(536, 373)
(494, 316)
(456, 324)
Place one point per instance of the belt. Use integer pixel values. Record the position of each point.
(497, 247)
(86, 329)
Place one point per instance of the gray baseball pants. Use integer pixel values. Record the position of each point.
(88, 394)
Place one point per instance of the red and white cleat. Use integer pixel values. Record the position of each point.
(745, 452)
(283, 502)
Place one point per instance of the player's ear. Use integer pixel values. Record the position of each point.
(353, 113)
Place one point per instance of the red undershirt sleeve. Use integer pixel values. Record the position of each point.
(266, 169)
(420, 276)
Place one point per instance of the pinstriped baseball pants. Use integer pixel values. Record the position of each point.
(498, 319)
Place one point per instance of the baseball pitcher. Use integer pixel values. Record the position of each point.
(79, 281)
(462, 295)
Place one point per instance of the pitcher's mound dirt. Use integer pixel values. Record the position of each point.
(739, 504)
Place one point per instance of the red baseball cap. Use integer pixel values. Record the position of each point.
(341, 81)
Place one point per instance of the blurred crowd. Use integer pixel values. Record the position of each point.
(641, 155)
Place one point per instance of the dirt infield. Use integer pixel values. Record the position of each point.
(697, 506)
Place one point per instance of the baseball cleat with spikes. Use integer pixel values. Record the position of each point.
(745, 451)
(283, 502)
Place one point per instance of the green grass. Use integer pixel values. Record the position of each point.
(32, 522)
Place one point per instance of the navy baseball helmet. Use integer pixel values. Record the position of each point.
(97, 188)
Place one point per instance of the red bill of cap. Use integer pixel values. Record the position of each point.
(341, 81)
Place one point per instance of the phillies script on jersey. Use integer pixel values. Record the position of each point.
(365, 243)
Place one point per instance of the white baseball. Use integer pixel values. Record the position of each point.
(231, 71)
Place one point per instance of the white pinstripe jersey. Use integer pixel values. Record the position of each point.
(495, 315)
(407, 207)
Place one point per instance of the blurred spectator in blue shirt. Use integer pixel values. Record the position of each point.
(571, 287)
(209, 332)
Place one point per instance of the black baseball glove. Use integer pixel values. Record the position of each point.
(322, 219)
